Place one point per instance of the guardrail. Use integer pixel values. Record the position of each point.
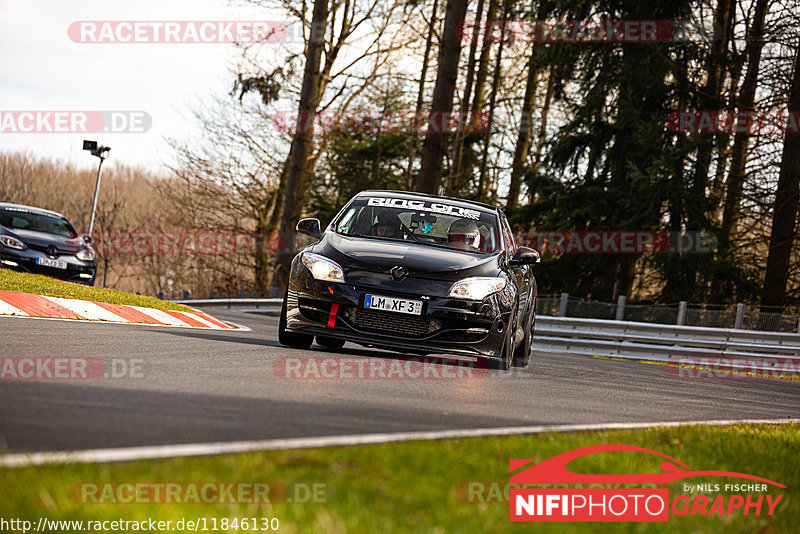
(739, 316)
(239, 304)
(729, 348)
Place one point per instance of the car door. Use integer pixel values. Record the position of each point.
(520, 275)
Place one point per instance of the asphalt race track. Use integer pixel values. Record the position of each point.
(203, 386)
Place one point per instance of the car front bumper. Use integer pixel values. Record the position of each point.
(446, 326)
(82, 272)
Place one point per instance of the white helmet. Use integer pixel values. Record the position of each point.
(464, 235)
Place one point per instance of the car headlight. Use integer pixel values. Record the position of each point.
(476, 288)
(85, 255)
(11, 242)
(322, 268)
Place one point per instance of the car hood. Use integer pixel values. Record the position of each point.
(43, 240)
(422, 261)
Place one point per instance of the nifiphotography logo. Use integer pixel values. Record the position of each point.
(613, 502)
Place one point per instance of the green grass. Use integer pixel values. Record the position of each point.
(420, 486)
(49, 287)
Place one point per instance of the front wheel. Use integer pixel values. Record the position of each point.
(290, 339)
(504, 363)
(522, 355)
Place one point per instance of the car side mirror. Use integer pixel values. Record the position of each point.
(87, 239)
(309, 227)
(525, 256)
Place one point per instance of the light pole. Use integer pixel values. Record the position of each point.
(102, 153)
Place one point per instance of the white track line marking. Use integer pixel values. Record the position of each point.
(8, 309)
(127, 454)
(87, 309)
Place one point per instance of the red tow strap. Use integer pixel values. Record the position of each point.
(332, 316)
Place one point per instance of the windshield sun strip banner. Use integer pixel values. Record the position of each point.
(423, 205)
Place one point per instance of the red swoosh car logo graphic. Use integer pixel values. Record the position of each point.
(554, 470)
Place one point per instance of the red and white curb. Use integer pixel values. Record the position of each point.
(30, 305)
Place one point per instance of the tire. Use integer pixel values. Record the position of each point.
(508, 352)
(522, 355)
(330, 342)
(290, 339)
(505, 363)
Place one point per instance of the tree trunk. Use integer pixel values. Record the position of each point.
(542, 136)
(525, 134)
(469, 84)
(710, 99)
(723, 147)
(263, 236)
(487, 135)
(295, 179)
(433, 148)
(746, 103)
(465, 162)
(421, 91)
(787, 204)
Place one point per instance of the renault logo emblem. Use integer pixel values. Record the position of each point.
(52, 251)
(398, 272)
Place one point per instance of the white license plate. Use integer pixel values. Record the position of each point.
(51, 263)
(377, 302)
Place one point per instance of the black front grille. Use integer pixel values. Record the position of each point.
(58, 251)
(392, 323)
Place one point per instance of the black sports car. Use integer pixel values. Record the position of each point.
(416, 273)
(44, 242)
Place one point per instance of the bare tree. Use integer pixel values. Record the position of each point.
(294, 181)
(746, 103)
(711, 98)
(787, 204)
(434, 146)
(421, 90)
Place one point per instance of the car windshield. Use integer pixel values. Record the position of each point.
(25, 220)
(432, 223)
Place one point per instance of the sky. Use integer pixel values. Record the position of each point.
(44, 70)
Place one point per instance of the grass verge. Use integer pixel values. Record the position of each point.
(50, 287)
(422, 486)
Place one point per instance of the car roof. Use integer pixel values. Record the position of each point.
(32, 209)
(414, 195)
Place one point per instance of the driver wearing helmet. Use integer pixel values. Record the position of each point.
(464, 235)
(388, 225)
